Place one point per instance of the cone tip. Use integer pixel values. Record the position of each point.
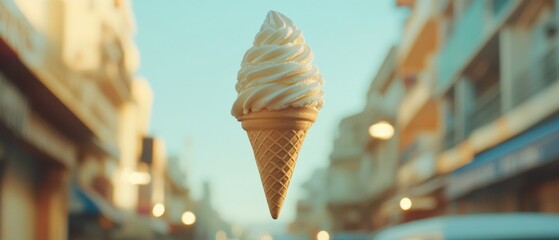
(275, 215)
(275, 211)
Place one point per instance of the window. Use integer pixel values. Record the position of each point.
(498, 5)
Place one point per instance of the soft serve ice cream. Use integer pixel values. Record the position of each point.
(279, 95)
(277, 71)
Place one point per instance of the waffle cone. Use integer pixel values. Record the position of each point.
(276, 138)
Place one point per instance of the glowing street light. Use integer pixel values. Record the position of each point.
(158, 210)
(323, 235)
(381, 130)
(188, 218)
(405, 204)
(139, 178)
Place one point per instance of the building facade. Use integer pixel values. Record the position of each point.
(62, 92)
(504, 93)
(476, 119)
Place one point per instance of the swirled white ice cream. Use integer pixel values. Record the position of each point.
(277, 71)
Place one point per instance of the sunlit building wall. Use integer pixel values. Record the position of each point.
(64, 108)
(134, 122)
(62, 116)
(158, 171)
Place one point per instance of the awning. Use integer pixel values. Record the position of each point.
(519, 154)
(88, 202)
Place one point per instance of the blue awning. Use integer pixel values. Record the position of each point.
(80, 203)
(521, 153)
(87, 202)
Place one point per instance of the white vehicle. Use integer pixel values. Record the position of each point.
(479, 226)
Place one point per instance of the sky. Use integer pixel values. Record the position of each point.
(191, 51)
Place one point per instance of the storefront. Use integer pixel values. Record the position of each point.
(33, 174)
(34, 155)
(517, 175)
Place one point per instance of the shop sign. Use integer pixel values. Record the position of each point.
(479, 174)
(18, 32)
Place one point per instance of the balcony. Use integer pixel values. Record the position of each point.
(81, 95)
(418, 111)
(424, 141)
(461, 45)
(537, 76)
(415, 99)
(69, 91)
(487, 108)
(473, 29)
(418, 160)
(450, 138)
(420, 37)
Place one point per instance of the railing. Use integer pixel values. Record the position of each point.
(536, 77)
(450, 139)
(409, 152)
(90, 104)
(486, 109)
(423, 142)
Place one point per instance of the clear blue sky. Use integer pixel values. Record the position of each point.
(191, 51)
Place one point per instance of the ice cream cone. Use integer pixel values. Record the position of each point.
(276, 138)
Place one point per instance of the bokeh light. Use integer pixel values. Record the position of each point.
(322, 235)
(381, 130)
(188, 218)
(405, 204)
(158, 210)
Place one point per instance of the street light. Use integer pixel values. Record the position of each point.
(158, 210)
(405, 204)
(139, 178)
(188, 218)
(322, 235)
(382, 130)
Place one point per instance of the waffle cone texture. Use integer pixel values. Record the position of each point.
(276, 138)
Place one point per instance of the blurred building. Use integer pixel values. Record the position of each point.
(72, 118)
(348, 196)
(472, 92)
(312, 215)
(419, 115)
(209, 223)
(382, 153)
(371, 164)
(178, 201)
(500, 94)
